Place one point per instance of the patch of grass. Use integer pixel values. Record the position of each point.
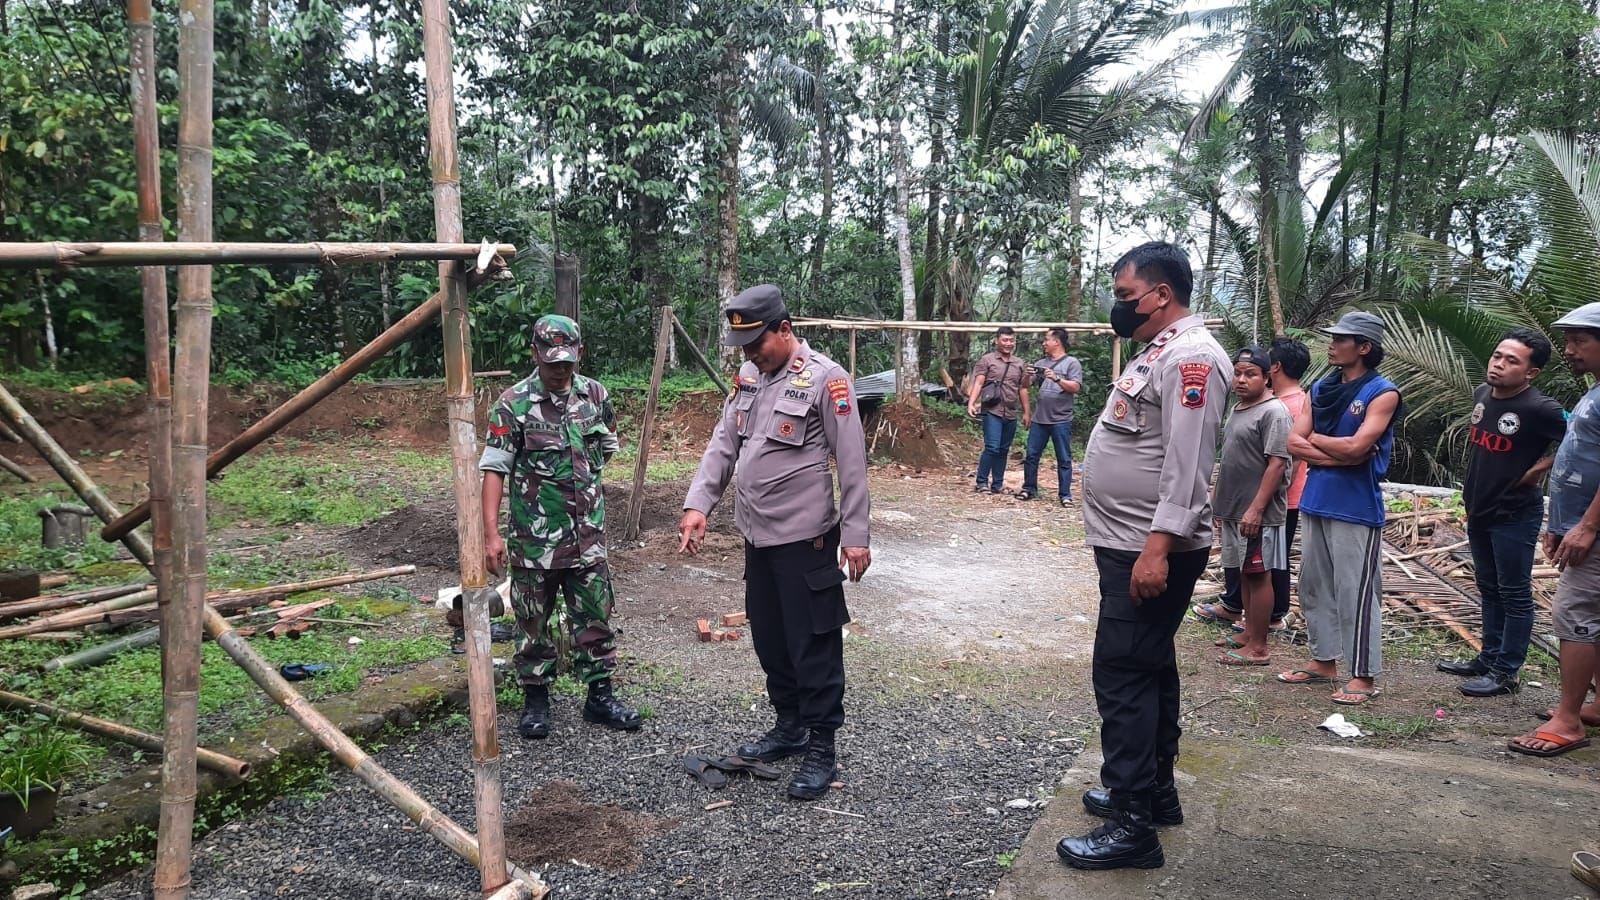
(20, 532)
(1270, 740)
(67, 379)
(284, 490)
(621, 466)
(1423, 640)
(1391, 728)
(1003, 860)
(227, 571)
(423, 463)
(128, 687)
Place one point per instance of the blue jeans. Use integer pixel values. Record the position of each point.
(998, 434)
(1502, 562)
(1060, 438)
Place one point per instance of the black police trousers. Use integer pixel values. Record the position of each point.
(794, 596)
(1136, 668)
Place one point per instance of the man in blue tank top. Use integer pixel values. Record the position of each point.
(1346, 443)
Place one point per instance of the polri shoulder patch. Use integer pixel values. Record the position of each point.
(839, 396)
(1194, 375)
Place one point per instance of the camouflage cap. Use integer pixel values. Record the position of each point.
(556, 339)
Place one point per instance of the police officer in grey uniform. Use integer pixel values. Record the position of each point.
(1146, 477)
(790, 409)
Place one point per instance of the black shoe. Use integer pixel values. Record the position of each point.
(817, 771)
(1164, 806)
(1466, 669)
(603, 708)
(535, 721)
(785, 739)
(1490, 685)
(1127, 841)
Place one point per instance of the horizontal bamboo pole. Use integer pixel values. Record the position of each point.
(428, 818)
(62, 601)
(62, 255)
(222, 764)
(421, 317)
(99, 611)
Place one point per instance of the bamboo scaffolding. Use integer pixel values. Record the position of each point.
(17, 470)
(700, 357)
(190, 252)
(191, 383)
(290, 409)
(6, 434)
(475, 590)
(69, 471)
(47, 603)
(222, 599)
(222, 764)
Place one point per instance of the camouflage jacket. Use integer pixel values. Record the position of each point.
(552, 449)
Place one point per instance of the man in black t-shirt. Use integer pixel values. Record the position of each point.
(1513, 425)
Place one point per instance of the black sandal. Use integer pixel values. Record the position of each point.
(705, 772)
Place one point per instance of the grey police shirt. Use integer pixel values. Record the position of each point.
(780, 430)
(1149, 460)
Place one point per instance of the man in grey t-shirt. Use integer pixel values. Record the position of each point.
(1059, 377)
(1250, 500)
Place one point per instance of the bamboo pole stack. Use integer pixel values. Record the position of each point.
(222, 764)
(475, 589)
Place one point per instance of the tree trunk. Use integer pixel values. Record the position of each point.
(819, 100)
(1377, 154)
(1397, 167)
(49, 319)
(907, 380)
(1075, 263)
(1269, 242)
(728, 190)
(933, 252)
(1011, 290)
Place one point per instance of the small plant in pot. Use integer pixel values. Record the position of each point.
(34, 758)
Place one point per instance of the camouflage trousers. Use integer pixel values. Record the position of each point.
(589, 600)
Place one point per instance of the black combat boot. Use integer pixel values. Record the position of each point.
(603, 708)
(535, 721)
(1127, 840)
(1164, 806)
(781, 741)
(817, 771)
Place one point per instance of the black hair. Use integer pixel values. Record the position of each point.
(1373, 358)
(1291, 355)
(1004, 329)
(1160, 262)
(1060, 334)
(1539, 347)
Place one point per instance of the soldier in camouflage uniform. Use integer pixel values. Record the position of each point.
(550, 434)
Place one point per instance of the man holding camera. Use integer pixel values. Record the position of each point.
(1059, 377)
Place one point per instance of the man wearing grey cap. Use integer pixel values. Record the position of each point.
(790, 409)
(1569, 543)
(1346, 442)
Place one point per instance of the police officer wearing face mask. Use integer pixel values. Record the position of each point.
(1146, 477)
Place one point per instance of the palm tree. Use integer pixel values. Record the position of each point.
(1442, 334)
(1031, 111)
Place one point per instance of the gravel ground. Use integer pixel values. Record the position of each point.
(937, 789)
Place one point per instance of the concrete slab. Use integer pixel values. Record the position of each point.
(1336, 822)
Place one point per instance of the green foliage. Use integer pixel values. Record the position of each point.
(283, 490)
(20, 532)
(35, 753)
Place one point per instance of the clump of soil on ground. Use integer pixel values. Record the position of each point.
(904, 435)
(419, 534)
(558, 825)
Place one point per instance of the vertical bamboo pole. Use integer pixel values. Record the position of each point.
(157, 349)
(475, 590)
(641, 462)
(1116, 357)
(852, 355)
(184, 613)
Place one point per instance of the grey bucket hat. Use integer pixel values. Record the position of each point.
(1363, 325)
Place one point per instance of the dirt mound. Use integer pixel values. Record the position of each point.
(422, 535)
(558, 825)
(904, 435)
(663, 506)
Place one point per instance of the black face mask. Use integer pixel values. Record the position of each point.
(1126, 318)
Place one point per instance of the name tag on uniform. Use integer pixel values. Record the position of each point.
(796, 394)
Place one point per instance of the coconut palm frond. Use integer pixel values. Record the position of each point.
(1429, 367)
(1564, 178)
